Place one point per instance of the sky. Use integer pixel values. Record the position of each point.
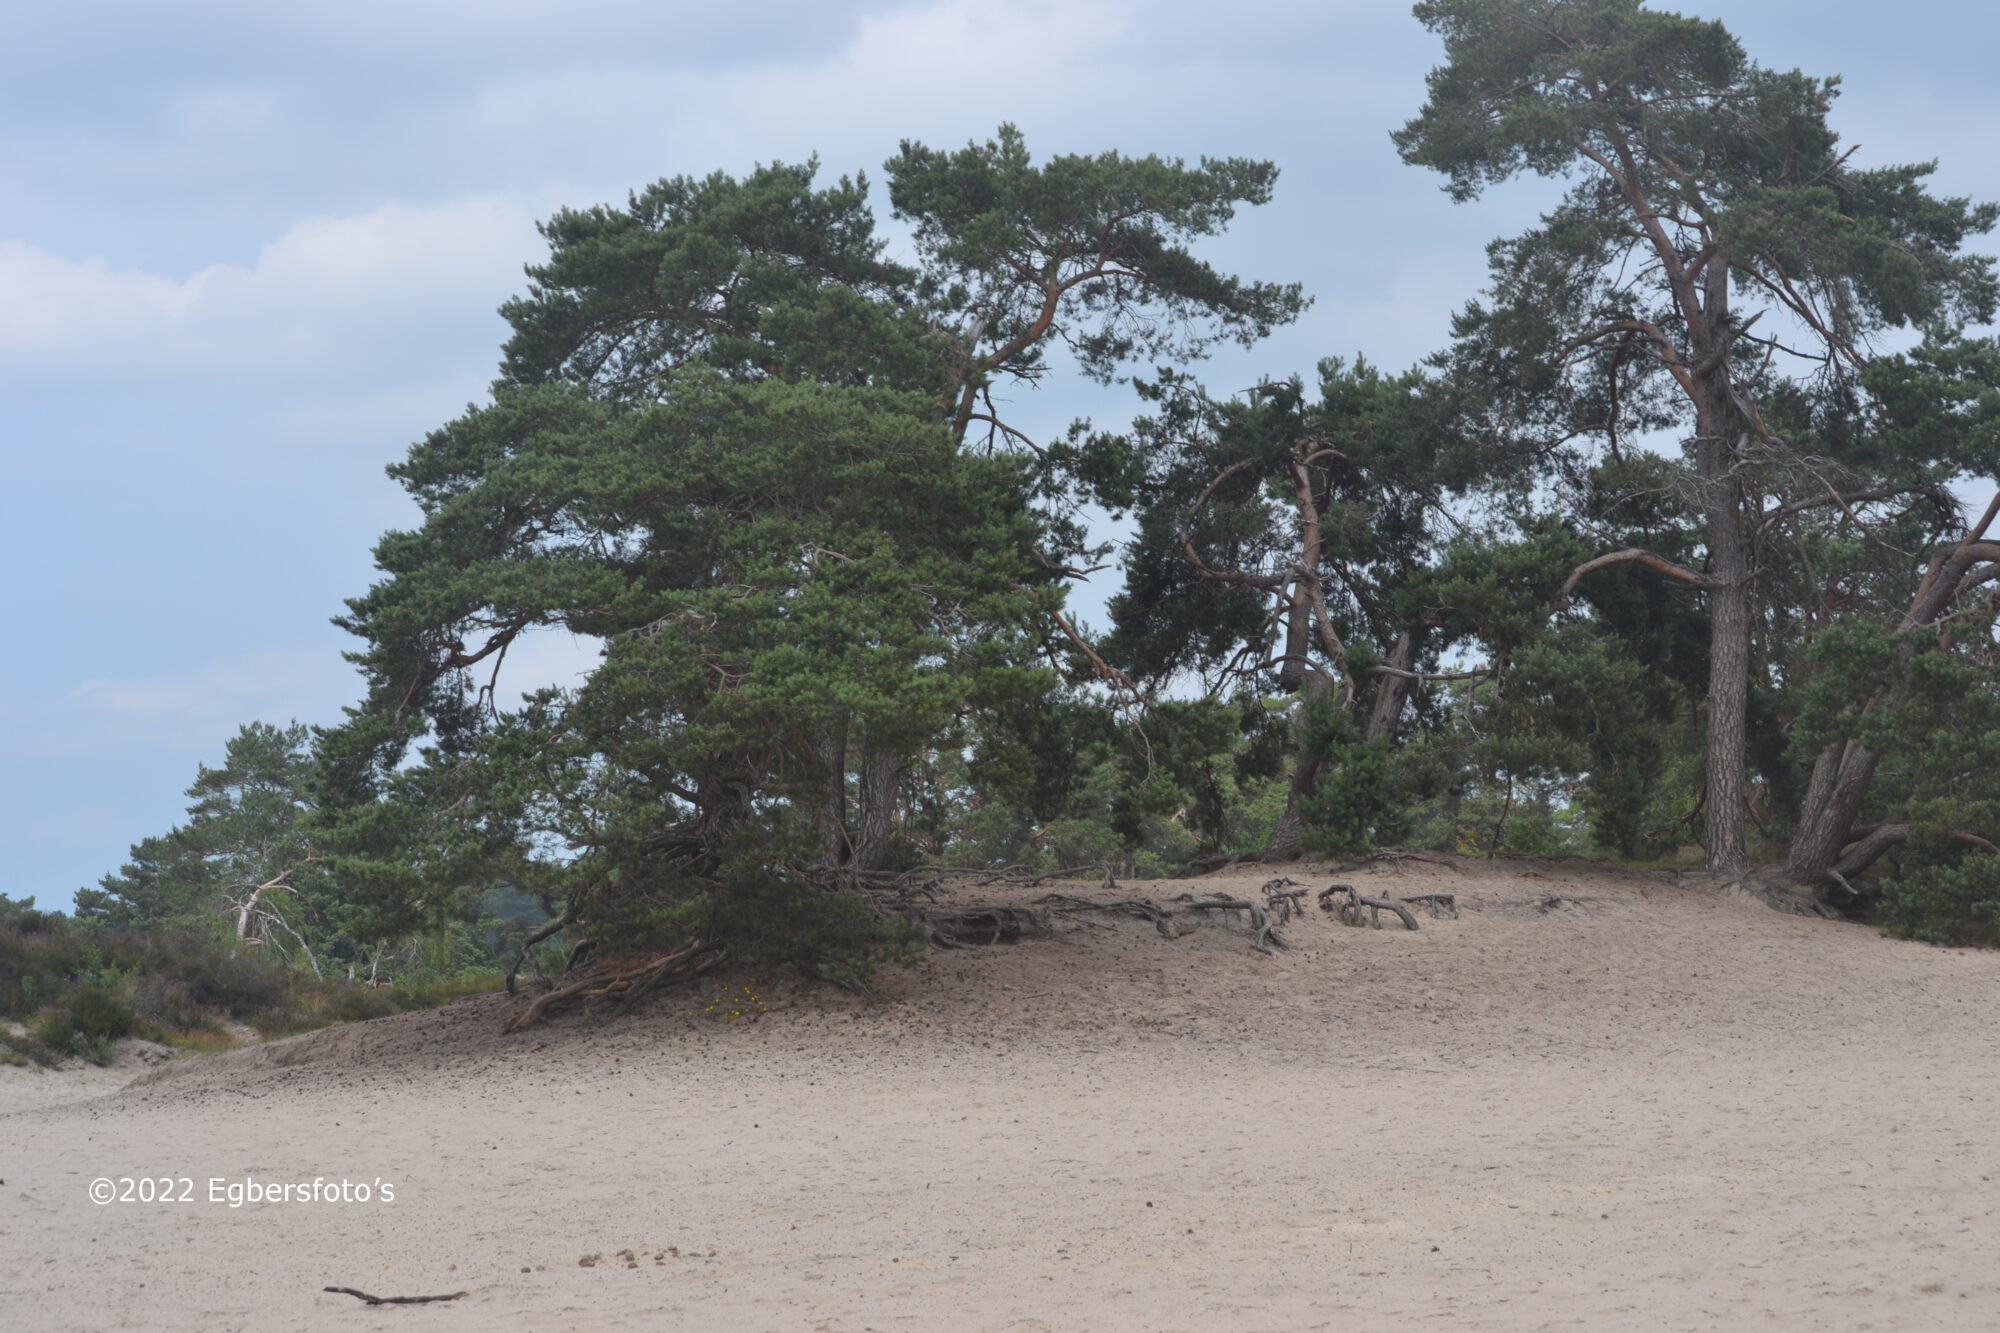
(250, 252)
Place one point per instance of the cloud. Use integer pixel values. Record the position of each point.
(267, 684)
(330, 295)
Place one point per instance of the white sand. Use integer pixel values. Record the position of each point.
(1659, 1107)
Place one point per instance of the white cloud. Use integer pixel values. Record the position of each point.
(327, 295)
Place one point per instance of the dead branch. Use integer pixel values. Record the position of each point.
(258, 909)
(1396, 859)
(1633, 555)
(1845, 502)
(391, 1300)
(1211, 863)
(1480, 673)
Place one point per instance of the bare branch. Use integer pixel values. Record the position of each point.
(1631, 556)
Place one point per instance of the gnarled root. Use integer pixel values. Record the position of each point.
(964, 926)
(1174, 921)
(623, 982)
(1346, 900)
(1281, 899)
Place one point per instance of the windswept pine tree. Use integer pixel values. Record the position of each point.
(764, 464)
(1720, 267)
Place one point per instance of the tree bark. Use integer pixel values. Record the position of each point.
(1840, 780)
(1871, 849)
(881, 778)
(1729, 643)
(831, 749)
(1718, 442)
(1392, 692)
(1287, 840)
(1298, 640)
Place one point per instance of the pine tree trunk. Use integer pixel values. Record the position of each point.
(1728, 651)
(1719, 439)
(1287, 840)
(1844, 771)
(880, 780)
(831, 750)
(1393, 692)
(1298, 642)
(1839, 787)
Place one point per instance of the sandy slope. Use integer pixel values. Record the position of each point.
(1642, 1104)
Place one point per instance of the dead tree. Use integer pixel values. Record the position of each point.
(258, 920)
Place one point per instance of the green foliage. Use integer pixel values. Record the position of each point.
(83, 986)
(1000, 237)
(88, 1025)
(763, 276)
(247, 827)
(793, 923)
(763, 465)
(730, 443)
(1946, 902)
(1354, 808)
(762, 559)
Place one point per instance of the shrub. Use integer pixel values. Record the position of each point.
(88, 1025)
(169, 1002)
(1946, 904)
(21, 1050)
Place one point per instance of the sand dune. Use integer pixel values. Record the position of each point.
(1593, 1101)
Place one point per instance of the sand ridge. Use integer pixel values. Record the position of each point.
(1595, 1100)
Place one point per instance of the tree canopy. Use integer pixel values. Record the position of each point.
(1663, 545)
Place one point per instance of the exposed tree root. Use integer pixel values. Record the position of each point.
(1216, 862)
(898, 889)
(1396, 860)
(1174, 921)
(622, 982)
(527, 954)
(1781, 893)
(966, 926)
(1346, 900)
(390, 1300)
(1281, 899)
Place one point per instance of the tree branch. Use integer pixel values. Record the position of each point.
(1634, 555)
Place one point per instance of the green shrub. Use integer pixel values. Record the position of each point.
(99, 1013)
(1945, 904)
(24, 1050)
(790, 922)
